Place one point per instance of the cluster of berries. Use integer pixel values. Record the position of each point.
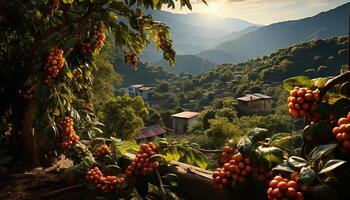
(132, 60)
(141, 164)
(69, 136)
(29, 94)
(98, 36)
(283, 188)
(162, 42)
(165, 46)
(54, 64)
(226, 154)
(104, 183)
(302, 102)
(103, 150)
(236, 170)
(342, 132)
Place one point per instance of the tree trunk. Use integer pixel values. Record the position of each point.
(29, 151)
(22, 147)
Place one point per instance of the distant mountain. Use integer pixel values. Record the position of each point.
(193, 33)
(279, 35)
(145, 73)
(188, 64)
(218, 56)
(237, 34)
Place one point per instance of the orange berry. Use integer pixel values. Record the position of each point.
(292, 184)
(309, 97)
(300, 100)
(336, 130)
(273, 183)
(294, 93)
(339, 137)
(343, 120)
(282, 186)
(278, 178)
(291, 192)
(301, 93)
(276, 193)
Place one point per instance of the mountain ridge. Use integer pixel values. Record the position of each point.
(278, 35)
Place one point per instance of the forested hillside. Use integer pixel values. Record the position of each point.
(313, 59)
(283, 34)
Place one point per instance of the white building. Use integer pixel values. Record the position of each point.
(138, 90)
(181, 121)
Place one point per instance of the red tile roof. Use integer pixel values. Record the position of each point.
(151, 131)
(186, 115)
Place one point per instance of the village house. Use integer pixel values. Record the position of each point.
(138, 90)
(181, 121)
(255, 103)
(149, 133)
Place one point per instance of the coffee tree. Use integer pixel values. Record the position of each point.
(310, 165)
(47, 50)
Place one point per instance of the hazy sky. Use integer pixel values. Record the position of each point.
(263, 11)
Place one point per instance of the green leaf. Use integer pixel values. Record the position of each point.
(290, 83)
(283, 167)
(297, 162)
(286, 141)
(201, 160)
(345, 89)
(321, 150)
(318, 133)
(320, 82)
(331, 165)
(176, 156)
(257, 134)
(111, 170)
(172, 179)
(245, 145)
(156, 157)
(88, 161)
(69, 74)
(307, 175)
(273, 155)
